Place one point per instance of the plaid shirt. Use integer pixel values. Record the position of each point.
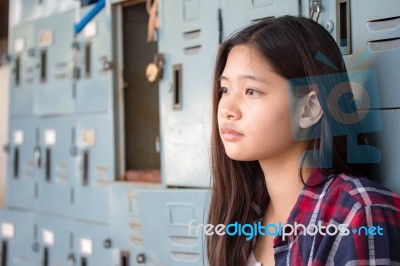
(342, 200)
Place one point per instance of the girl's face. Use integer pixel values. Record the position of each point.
(254, 117)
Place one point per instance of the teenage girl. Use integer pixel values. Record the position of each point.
(283, 117)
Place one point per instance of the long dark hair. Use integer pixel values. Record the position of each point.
(297, 49)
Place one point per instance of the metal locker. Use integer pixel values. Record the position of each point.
(166, 217)
(22, 11)
(18, 233)
(387, 141)
(55, 190)
(55, 240)
(237, 14)
(24, 159)
(23, 80)
(94, 245)
(126, 222)
(377, 38)
(54, 92)
(188, 37)
(94, 86)
(368, 34)
(94, 167)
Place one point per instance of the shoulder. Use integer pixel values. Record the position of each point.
(347, 195)
(371, 215)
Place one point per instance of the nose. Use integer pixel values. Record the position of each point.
(228, 108)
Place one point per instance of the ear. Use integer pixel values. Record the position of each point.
(311, 111)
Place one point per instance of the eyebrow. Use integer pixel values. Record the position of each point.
(251, 77)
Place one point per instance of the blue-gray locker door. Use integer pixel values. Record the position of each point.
(55, 240)
(188, 37)
(375, 30)
(54, 92)
(94, 167)
(23, 78)
(18, 237)
(23, 163)
(94, 245)
(170, 223)
(237, 14)
(94, 88)
(56, 179)
(125, 220)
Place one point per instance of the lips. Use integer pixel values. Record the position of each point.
(230, 134)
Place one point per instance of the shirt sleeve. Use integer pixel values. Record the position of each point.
(373, 238)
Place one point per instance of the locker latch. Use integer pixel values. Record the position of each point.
(6, 148)
(106, 64)
(315, 10)
(37, 157)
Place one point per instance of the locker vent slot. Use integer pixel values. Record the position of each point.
(184, 256)
(46, 257)
(43, 65)
(344, 26)
(183, 240)
(177, 86)
(259, 19)
(383, 24)
(61, 65)
(124, 258)
(16, 162)
(29, 70)
(17, 71)
(85, 178)
(48, 165)
(384, 45)
(258, 3)
(4, 253)
(88, 59)
(195, 49)
(193, 34)
(62, 76)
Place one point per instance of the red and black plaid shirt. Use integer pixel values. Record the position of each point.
(347, 200)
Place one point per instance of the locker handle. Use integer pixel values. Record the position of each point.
(4, 253)
(220, 26)
(85, 178)
(88, 60)
(17, 70)
(46, 257)
(16, 162)
(48, 165)
(124, 258)
(84, 261)
(343, 18)
(43, 65)
(177, 74)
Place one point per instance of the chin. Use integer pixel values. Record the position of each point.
(239, 156)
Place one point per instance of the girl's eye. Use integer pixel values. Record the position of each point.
(252, 92)
(223, 90)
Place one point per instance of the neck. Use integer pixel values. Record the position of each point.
(283, 184)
